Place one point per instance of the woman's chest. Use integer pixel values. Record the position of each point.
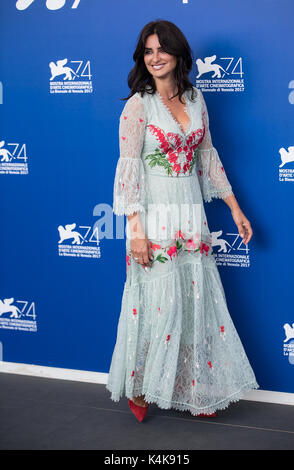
(167, 148)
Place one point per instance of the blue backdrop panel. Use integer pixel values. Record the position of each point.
(63, 70)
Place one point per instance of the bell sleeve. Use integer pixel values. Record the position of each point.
(129, 182)
(211, 173)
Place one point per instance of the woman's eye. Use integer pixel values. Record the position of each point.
(159, 50)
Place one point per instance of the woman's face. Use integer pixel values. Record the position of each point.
(159, 63)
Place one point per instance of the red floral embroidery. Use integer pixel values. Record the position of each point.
(172, 145)
(222, 333)
(177, 168)
(154, 246)
(172, 251)
(127, 261)
(209, 363)
(179, 235)
(191, 245)
(167, 340)
(204, 247)
(131, 377)
(134, 311)
(193, 382)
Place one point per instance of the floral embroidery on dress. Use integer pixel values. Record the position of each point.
(181, 243)
(167, 340)
(176, 154)
(127, 261)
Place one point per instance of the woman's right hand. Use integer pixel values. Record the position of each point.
(141, 251)
(140, 245)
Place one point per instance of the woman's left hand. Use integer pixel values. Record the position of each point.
(243, 225)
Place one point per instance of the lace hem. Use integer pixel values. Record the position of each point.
(162, 403)
(121, 209)
(217, 194)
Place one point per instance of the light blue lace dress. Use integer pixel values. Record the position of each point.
(176, 342)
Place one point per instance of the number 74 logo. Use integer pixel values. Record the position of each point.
(50, 4)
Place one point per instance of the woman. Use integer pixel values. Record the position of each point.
(176, 344)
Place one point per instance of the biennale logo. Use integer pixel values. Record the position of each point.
(221, 242)
(5, 155)
(13, 158)
(289, 347)
(68, 233)
(50, 4)
(231, 69)
(287, 156)
(60, 69)
(207, 66)
(234, 253)
(76, 244)
(17, 317)
(7, 307)
(63, 77)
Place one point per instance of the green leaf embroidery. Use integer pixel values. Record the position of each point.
(161, 258)
(159, 158)
(193, 160)
(178, 245)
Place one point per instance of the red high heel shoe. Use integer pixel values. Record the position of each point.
(139, 411)
(204, 415)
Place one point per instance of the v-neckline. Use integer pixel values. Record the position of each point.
(186, 110)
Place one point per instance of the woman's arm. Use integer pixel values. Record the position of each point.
(213, 179)
(129, 191)
(129, 183)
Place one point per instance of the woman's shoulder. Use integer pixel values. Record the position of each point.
(134, 105)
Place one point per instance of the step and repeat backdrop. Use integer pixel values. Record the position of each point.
(63, 72)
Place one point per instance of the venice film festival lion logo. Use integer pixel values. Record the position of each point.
(289, 332)
(5, 155)
(6, 306)
(289, 347)
(220, 242)
(207, 66)
(60, 69)
(23, 318)
(68, 233)
(286, 156)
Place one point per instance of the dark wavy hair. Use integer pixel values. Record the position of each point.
(172, 41)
